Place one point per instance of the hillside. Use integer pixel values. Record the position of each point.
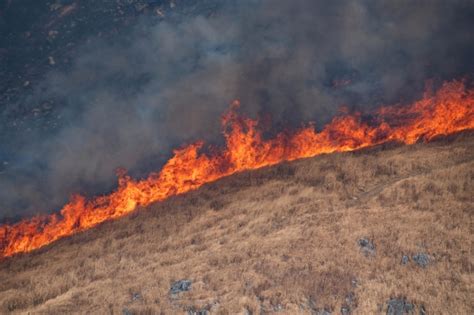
(381, 230)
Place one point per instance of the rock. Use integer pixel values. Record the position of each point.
(193, 311)
(399, 306)
(350, 303)
(159, 12)
(354, 283)
(350, 298)
(405, 259)
(278, 308)
(180, 286)
(126, 311)
(422, 259)
(314, 310)
(367, 246)
(345, 310)
(136, 296)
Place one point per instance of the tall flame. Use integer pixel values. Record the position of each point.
(449, 110)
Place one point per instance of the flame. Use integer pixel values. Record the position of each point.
(449, 110)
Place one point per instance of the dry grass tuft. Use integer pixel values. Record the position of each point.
(278, 240)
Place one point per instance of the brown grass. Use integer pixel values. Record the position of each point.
(277, 240)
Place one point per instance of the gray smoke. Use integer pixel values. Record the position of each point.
(130, 99)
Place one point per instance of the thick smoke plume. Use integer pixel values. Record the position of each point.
(128, 100)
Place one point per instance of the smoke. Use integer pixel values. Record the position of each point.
(128, 100)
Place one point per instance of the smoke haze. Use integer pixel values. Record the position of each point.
(129, 99)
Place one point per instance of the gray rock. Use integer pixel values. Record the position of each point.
(345, 310)
(193, 311)
(350, 303)
(399, 307)
(314, 309)
(180, 286)
(126, 311)
(367, 246)
(278, 308)
(405, 259)
(422, 259)
(136, 296)
(350, 298)
(319, 311)
(354, 282)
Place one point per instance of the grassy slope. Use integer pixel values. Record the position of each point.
(278, 239)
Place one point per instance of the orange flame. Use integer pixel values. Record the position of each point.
(449, 110)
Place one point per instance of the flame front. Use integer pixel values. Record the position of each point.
(449, 110)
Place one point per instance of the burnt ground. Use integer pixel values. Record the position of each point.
(37, 37)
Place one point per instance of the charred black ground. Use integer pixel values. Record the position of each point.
(86, 87)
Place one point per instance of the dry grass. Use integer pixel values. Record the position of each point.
(278, 240)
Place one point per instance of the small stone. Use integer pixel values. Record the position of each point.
(278, 308)
(136, 296)
(422, 259)
(422, 310)
(193, 311)
(399, 307)
(180, 286)
(350, 298)
(345, 310)
(367, 246)
(405, 259)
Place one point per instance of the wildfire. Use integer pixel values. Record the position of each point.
(449, 110)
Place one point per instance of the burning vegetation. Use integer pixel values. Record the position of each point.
(449, 110)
